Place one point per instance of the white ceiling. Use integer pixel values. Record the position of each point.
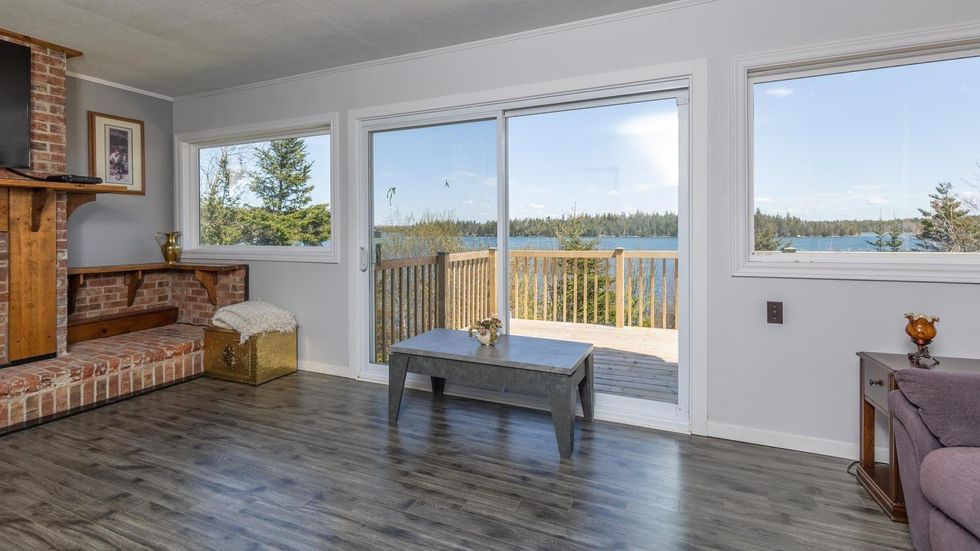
(179, 47)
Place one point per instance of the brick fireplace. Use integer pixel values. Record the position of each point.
(133, 328)
(48, 137)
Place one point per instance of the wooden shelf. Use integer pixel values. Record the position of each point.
(23, 183)
(155, 266)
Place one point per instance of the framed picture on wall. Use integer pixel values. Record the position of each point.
(116, 151)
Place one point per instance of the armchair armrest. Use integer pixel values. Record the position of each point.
(914, 443)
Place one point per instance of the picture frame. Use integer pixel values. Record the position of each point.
(117, 151)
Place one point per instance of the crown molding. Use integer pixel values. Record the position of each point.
(104, 82)
(572, 25)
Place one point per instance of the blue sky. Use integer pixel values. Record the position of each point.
(867, 144)
(607, 159)
(849, 145)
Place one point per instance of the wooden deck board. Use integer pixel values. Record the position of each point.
(635, 362)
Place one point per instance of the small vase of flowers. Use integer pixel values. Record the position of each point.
(487, 330)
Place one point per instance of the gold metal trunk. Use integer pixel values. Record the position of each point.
(259, 359)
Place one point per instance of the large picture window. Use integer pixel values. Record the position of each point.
(872, 160)
(876, 160)
(260, 196)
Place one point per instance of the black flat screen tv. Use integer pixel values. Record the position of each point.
(15, 105)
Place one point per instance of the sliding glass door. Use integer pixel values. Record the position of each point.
(565, 220)
(434, 206)
(593, 244)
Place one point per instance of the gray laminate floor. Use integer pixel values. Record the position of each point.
(308, 462)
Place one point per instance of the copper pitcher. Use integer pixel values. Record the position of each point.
(169, 247)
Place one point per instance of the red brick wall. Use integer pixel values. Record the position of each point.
(4, 270)
(106, 295)
(61, 271)
(48, 138)
(48, 68)
(190, 296)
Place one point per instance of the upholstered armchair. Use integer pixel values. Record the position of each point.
(937, 432)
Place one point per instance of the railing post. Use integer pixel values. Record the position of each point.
(492, 284)
(442, 288)
(620, 286)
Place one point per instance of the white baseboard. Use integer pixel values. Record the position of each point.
(798, 442)
(325, 369)
(617, 409)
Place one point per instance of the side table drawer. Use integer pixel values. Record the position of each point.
(876, 384)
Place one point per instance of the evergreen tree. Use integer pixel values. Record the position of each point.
(947, 226)
(570, 234)
(281, 181)
(895, 240)
(881, 241)
(766, 234)
(221, 201)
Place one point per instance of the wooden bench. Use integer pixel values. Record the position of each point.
(120, 324)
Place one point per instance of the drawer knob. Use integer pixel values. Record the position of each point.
(873, 382)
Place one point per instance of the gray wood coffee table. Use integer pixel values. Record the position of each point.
(559, 370)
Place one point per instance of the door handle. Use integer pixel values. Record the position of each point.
(363, 259)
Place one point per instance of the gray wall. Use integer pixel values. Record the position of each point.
(118, 229)
(793, 385)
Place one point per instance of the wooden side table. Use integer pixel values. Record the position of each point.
(882, 480)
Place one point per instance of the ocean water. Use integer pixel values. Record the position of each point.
(841, 244)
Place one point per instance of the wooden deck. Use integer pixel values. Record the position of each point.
(636, 362)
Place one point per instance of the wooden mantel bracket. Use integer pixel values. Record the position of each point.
(133, 282)
(39, 200)
(76, 200)
(210, 282)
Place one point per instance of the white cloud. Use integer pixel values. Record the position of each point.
(781, 92)
(538, 206)
(656, 135)
(877, 200)
(613, 193)
(763, 200)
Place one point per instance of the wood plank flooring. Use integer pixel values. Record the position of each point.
(309, 462)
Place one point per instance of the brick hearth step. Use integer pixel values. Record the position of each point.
(97, 372)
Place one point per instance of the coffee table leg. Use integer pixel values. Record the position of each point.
(438, 386)
(562, 402)
(586, 389)
(397, 368)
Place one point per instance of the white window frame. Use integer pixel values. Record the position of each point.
(187, 197)
(888, 51)
(686, 81)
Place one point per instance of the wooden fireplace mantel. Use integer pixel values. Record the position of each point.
(78, 194)
(205, 274)
(24, 183)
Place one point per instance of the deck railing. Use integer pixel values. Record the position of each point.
(414, 295)
(585, 287)
(618, 287)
